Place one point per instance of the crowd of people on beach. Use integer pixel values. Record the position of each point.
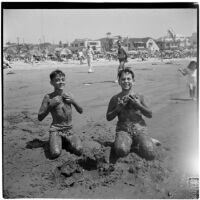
(87, 55)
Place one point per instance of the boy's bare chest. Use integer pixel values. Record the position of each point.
(130, 111)
(63, 107)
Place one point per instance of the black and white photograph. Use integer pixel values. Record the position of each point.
(100, 100)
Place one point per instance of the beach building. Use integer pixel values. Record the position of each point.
(193, 40)
(146, 43)
(83, 43)
(180, 42)
(174, 41)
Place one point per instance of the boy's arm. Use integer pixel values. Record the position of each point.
(144, 109)
(44, 109)
(140, 104)
(78, 108)
(183, 71)
(113, 109)
(70, 99)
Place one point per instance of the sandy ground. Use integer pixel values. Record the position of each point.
(28, 172)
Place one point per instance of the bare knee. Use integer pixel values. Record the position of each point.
(122, 144)
(55, 145)
(55, 152)
(76, 144)
(146, 148)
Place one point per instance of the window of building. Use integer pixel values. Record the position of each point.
(76, 45)
(93, 43)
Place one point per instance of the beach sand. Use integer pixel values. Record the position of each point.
(28, 172)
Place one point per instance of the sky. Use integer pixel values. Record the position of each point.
(49, 25)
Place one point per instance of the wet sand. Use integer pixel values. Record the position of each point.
(28, 171)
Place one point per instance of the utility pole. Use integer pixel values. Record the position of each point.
(39, 44)
(18, 41)
(18, 50)
(43, 38)
(127, 43)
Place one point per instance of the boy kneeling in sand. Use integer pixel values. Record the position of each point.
(131, 130)
(59, 104)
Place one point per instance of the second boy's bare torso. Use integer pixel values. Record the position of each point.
(128, 113)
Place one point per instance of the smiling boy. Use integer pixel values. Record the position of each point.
(59, 104)
(129, 107)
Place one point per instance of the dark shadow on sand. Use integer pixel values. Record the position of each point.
(90, 83)
(181, 99)
(37, 143)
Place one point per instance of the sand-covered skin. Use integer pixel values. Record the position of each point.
(29, 172)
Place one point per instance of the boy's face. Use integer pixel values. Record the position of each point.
(58, 82)
(126, 81)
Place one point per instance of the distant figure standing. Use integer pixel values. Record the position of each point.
(80, 56)
(89, 54)
(122, 55)
(191, 71)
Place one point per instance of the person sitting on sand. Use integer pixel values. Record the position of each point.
(59, 104)
(6, 63)
(191, 71)
(131, 129)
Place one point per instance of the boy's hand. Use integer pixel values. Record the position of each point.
(55, 101)
(67, 99)
(134, 100)
(123, 101)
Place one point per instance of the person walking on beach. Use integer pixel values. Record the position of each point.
(89, 54)
(191, 72)
(122, 55)
(59, 104)
(131, 129)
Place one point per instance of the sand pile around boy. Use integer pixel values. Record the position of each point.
(93, 156)
(92, 169)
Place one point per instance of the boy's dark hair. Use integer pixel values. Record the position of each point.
(55, 73)
(191, 64)
(126, 70)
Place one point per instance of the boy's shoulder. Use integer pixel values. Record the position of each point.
(116, 96)
(139, 95)
(69, 94)
(49, 95)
